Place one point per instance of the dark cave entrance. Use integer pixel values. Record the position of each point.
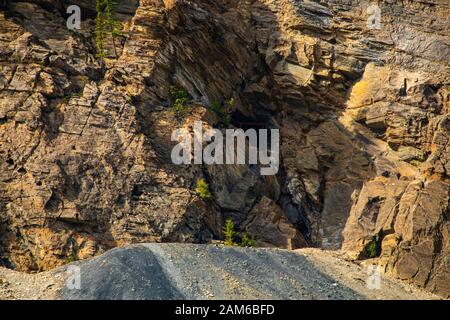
(243, 122)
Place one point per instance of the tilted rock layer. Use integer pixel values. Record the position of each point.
(364, 119)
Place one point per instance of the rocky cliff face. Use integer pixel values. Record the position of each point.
(364, 118)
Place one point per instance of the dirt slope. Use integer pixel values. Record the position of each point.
(183, 271)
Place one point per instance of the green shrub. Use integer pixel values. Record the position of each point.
(371, 249)
(180, 98)
(229, 232)
(229, 103)
(223, 111)
(178, 93)
(247, 241)
(114, 26)
(106, 24)
(230, 235)
(202, 189)
(100, 31)
(180, 108)
(71, 258)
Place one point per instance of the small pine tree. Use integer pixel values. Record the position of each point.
(229, 103)
(371, 249)
(179, 97)
(100, 31)
(247, 241)
(229, 232)
(202, 189)
(114, 26)
(106, 24)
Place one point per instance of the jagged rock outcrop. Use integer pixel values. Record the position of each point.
(403, 212)
(363, 117)
(406, 220)
(268, 224)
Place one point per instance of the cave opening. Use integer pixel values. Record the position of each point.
(241, 121)
(258, 122)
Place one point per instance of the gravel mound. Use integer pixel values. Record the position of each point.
(184, 271)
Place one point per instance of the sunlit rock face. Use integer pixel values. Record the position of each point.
(363, 115)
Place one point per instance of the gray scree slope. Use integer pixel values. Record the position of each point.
(181, 271)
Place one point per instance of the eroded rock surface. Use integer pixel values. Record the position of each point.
(363, 117)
